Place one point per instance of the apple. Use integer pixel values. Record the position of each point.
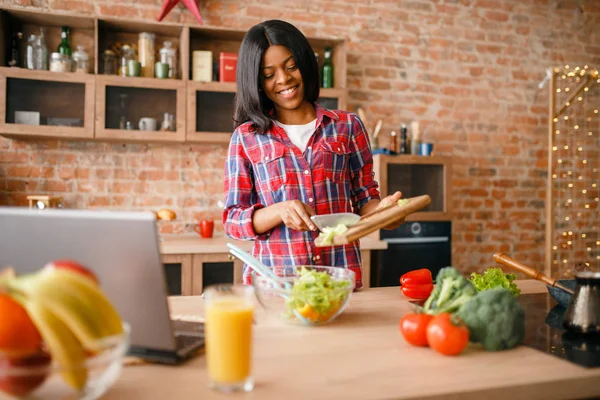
(73, 266)
(23, 383)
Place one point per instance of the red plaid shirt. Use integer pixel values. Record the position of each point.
(335, 174)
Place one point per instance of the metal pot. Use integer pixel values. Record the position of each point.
(583, 312)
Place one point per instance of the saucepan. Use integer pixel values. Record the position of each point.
(581, 296)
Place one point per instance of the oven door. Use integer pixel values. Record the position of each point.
(414, 245)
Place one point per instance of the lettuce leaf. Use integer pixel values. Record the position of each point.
(318, 290)
(495, 277)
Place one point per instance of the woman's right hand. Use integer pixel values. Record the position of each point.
(296, 215)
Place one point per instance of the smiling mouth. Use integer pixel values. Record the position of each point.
(288, 91)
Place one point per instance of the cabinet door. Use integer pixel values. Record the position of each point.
(177, 269)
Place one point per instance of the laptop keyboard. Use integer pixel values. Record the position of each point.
(185, 341)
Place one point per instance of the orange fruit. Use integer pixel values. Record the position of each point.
(18, 334)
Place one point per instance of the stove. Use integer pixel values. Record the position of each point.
(544, 332)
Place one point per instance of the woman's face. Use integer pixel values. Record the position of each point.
(281, 79)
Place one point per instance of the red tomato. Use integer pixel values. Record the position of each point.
(447, 336)
(417, 292)
(414, 328)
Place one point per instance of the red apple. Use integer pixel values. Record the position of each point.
(73, 266)
(21, 384)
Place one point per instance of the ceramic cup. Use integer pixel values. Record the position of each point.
(426, 149)
(161, 70)
(134, 68)
(205, 228)
(148, 124)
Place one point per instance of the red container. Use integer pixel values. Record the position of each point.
(227, 67)
(205, 228)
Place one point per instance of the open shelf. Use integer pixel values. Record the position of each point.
(63, 102)
(415, 176)
(123, 99)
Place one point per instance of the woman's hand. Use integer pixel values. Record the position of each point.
(386, 201)
(296, 215)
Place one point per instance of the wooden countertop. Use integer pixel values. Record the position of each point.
(186, 244)
(362, 355)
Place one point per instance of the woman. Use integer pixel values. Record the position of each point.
(289, 158)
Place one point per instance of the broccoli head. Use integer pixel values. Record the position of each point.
(494, 318)
(451, 291)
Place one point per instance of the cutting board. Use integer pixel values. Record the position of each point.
(379, 219)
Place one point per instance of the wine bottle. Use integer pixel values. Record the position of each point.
(327, 70)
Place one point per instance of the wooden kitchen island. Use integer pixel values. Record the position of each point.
(363, 356)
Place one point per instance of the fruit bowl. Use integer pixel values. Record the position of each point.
(38, 376)
(311, 295)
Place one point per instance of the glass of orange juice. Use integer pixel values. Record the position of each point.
(229, 311)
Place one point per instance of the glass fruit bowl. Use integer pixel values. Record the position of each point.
(307, 295)
(38, 375)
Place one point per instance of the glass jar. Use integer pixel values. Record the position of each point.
(30, 52)
(60, 62)
(168, 55)
(146, 55)
(127, 53)
(81, 60)
(42, 51)
(110, 62)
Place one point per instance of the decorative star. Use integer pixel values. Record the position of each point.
(190, 4)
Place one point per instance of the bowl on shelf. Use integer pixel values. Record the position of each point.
(311, 295)
(38, 376)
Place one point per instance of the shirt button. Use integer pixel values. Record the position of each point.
(310, 199)
(317, 257)
(306, 172)
(266, 158)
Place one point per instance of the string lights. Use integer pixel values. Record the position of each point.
(575, 160)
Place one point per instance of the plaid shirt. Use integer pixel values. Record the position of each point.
(335, 174)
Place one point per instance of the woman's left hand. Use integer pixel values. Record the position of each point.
(386, 201)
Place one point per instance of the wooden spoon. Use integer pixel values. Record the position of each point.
(505, 260)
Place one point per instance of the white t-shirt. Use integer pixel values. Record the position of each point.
(299, 134)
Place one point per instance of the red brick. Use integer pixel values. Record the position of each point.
(79, 6)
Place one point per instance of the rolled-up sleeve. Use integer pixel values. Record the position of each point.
(364, 185)
(241, 200)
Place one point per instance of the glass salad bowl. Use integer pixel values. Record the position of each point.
(306, 295)
(38, 375)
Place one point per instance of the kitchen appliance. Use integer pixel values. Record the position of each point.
(413, 245)
(583, 313)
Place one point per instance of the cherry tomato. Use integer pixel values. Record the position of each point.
(447, 335)
(414, 328)
(417, 292)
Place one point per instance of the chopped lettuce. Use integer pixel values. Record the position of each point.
(317, 289)
(402, 202)
(329, 232)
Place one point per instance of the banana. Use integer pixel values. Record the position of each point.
(60, 341)
(76, 301)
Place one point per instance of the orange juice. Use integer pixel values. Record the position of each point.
(229, 339)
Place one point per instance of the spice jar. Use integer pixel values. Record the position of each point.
(81, 60)
(146, 53)
(168, 55)
(60, 62)
(394, 144)
(110, 62)
(127, 53)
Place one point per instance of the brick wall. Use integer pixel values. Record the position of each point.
(466, 69)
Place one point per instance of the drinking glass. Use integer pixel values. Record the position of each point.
(229, 312)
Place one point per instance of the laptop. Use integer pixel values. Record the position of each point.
(121, 248)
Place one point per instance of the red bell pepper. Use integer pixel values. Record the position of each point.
(417, 284)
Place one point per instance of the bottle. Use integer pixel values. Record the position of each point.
(327, 70)
(393, 142)
(168, 55)
(403, 140)
(30, 52)
(15, 56)
(43, 51)
(64, 47)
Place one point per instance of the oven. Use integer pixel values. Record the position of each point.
(413, 245)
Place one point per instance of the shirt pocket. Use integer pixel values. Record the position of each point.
(269, 164)
(335, 159)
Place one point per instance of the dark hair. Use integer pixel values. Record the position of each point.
(251, 104)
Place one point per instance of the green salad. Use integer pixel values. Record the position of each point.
(316, 295)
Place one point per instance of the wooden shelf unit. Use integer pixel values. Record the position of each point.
(205, 121)
(417, 175)
(70, 95)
